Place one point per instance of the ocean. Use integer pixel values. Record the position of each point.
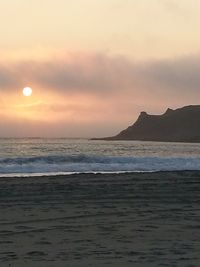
(35, 156)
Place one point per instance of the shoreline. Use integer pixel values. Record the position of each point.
(90, 174)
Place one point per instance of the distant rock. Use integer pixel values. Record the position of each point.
(180, 125)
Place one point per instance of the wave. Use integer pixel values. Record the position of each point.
(84, 163)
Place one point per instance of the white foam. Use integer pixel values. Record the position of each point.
(69, 164)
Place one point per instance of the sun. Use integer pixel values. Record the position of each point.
(27, 91)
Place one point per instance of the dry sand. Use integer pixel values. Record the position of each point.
(150, 219)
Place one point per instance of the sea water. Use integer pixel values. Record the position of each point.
(36, 156)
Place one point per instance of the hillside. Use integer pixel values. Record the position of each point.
(180, 125)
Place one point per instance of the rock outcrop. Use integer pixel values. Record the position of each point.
(180, 125)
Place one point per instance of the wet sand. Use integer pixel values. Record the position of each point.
(135, 219)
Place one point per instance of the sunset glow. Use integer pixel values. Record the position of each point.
(93, 77)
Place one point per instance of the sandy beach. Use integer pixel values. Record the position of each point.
(133, 219)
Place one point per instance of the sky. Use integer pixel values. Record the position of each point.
(94, 65)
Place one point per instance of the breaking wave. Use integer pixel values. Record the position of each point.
(83, 163)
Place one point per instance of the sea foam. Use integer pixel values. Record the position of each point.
(89, 163)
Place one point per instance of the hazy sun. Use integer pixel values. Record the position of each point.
(27, 91)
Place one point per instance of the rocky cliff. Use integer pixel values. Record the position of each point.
(180, 125)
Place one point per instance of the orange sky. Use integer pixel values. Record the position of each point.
(94, 65)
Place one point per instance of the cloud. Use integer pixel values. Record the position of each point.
(99, 74)
(92, 94)
(88, 73)
(180, 74)
(8, 76)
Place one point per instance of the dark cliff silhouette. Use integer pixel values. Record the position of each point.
(180, 125)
